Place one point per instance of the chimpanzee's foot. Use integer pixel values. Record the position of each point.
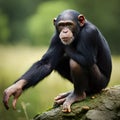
(70, 99)
(60, 99)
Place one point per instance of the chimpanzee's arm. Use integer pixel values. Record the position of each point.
(43, 67)
(86, 50)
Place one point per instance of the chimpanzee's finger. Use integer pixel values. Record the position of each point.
(6, 99)
(14, 103)
(16, 96)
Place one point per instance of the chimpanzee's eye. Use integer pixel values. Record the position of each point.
(61, 25)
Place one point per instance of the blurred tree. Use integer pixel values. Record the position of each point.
(4, 30)
(30, 20)
(40, 26)
(17, 12)
(106, 16)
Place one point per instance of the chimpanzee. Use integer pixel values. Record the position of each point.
(79, 52)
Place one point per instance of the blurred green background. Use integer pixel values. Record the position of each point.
(26, 27)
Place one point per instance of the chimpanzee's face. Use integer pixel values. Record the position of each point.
(66, 29)
(68, 24)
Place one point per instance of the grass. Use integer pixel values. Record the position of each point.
(115, 77)
(15, 60)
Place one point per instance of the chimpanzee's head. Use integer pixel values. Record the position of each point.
(67, 25)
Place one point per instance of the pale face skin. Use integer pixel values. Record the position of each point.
(66, 36)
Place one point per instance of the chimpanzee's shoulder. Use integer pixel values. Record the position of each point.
(90, 28)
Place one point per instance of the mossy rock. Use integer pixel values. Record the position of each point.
(102, 106)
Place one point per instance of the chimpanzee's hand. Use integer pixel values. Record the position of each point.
(16, 91)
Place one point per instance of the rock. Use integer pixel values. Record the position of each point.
(100, 115)
(104, 106)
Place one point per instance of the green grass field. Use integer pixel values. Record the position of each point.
(14, 61)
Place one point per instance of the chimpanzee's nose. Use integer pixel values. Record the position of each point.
(65, 31)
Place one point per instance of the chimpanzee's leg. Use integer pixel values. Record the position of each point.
(63, 68)
(80, 81)
(91, 80)
(78, 76)
(97, 80)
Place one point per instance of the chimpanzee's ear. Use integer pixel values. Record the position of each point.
(54, 20)
(81, 19)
